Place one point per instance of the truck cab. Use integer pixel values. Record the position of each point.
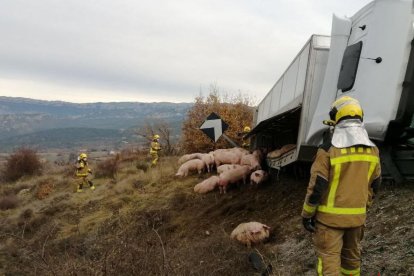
(369, 56)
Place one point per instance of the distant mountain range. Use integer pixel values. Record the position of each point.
(56, 124)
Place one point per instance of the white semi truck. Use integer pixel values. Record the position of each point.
(369, 56)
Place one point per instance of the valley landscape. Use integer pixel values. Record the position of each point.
(46, 125)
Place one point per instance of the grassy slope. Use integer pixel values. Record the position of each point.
(152, 224)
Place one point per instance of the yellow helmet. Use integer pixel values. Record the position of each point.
(83, 156)
(156, 136)
(346, 108)
(246, 129)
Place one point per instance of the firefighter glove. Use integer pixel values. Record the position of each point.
(309, 224)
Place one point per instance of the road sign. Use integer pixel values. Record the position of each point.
(214, 126)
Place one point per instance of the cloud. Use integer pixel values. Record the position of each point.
(130, 49)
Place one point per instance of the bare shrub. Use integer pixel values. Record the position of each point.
(109, 167)
(128, 154)
(142, 165)
(23, 161)
(164, 130)
(8, 202)
(26, 214)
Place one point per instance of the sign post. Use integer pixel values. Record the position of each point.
(214, 127)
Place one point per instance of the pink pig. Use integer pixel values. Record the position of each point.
(250, 160)
(233, 176)
(191, 165)
(208, 159)
(226, 167)
(250, 233)
(224, 156)
(190, 156)
(258, 177)
(207, 185)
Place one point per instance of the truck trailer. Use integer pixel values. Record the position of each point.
(369, 56)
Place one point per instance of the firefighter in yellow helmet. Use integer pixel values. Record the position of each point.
(82, 173)
(154, 149)
(246, 141)
(344, 179)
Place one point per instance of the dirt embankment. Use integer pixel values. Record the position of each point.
(153, 224)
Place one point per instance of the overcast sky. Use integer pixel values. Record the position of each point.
(154, 50)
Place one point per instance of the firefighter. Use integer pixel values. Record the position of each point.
(154, 149)
(82, 172)
(344, 179)
(246, 141)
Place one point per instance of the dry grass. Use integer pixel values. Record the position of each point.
(151, 223)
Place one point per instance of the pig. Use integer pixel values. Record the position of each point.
(250, 160)
(191, 165)
(207, 185)
(274, 154)
(259, 153)
(223, 156)
(233, 176)
(208, 159)
(258, 177)
(250, 233)
(287, 148)
(187, 157)
(226, 167)
(241, 151)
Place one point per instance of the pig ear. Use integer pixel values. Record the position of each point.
(266, 227)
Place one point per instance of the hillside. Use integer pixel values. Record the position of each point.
(151, 223)
(20, 117)
(66, 138)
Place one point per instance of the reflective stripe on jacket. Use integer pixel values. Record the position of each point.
(342, 185)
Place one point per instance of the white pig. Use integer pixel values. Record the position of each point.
(258, 177)
(226, 167)
(250, 160)
(208, 159)
(224, 156)
(207, 185)
(187, 157)
(191, 165)
(233, 176)
(250, 233)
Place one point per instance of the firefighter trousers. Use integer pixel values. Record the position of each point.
(154, 156)
(338, 250)
(84, 180)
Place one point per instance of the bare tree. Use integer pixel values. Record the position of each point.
(161, 128)
(147, 131)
